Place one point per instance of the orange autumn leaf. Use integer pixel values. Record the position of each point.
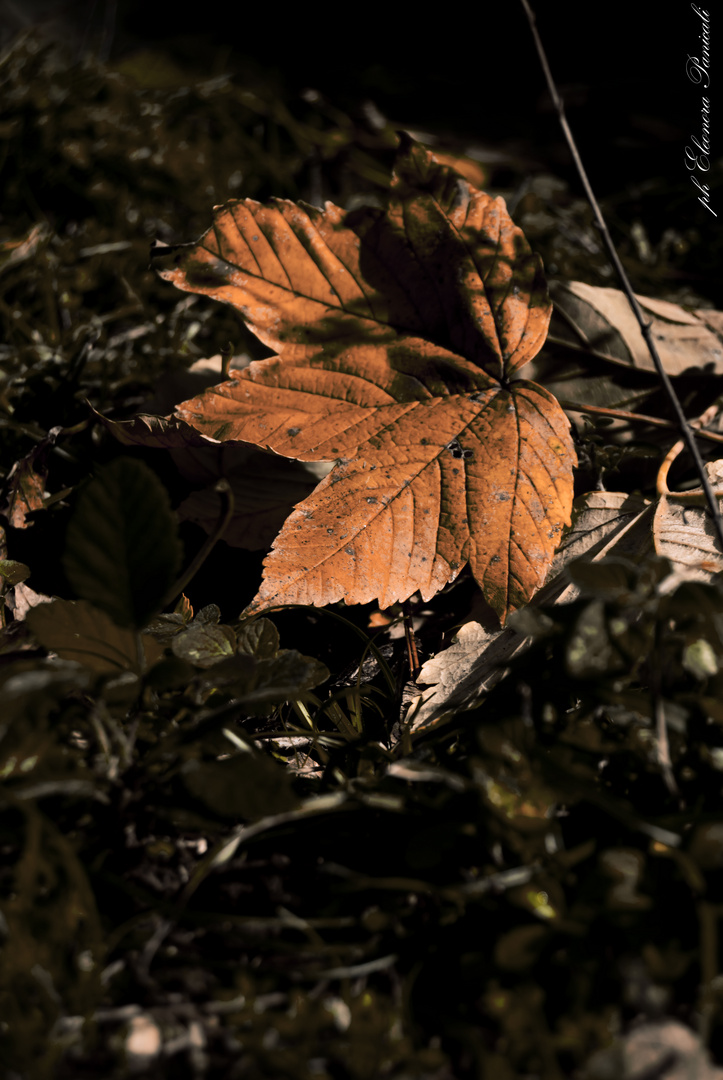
(398, 335)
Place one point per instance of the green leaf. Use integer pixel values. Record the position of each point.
(204, 644)
(259, 638)
(12, 572)
(249, 786)
(254, 682)
(290, 673)
(211, 613)
(75, 630)
(122, 550)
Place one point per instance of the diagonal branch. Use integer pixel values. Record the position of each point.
(685, 427)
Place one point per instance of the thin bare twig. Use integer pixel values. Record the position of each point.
(664, 759)
(624, 414)
(412, 654)
(620, 270)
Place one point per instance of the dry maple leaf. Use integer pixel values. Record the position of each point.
(397, 335)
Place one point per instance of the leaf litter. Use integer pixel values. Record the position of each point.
(220, 864)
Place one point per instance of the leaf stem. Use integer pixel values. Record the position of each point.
(224, 489)
(685, 427)
(412, 653)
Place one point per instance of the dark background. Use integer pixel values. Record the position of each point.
(470, 69)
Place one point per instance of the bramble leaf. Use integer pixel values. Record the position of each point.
(122, 550)
(75, 630)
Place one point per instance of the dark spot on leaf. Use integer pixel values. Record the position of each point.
(349, 550)
(456, 450)
(293, 431)
(200, 280)
(372, 498)
(503, 496)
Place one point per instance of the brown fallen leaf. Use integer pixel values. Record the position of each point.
(399, 333)
(665, 1049)
(25, 598)
(602, 320)
(473, 171)
(25, 486)
(683, 529)
(603, 523)
(606, 517)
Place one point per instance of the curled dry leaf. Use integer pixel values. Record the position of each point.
(26, 485)
(155, 432)
(601, 319)
(24, 599)
(683, 529)
(398, 334)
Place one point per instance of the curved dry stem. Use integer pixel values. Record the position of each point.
(661, 483)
